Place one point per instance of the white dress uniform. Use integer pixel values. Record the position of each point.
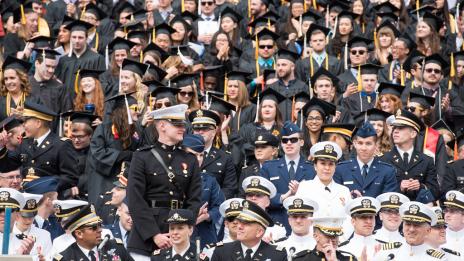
(356, 244)
(43, 239)
(390, 201)
(385, 236)
(298, 243)
(407, 252)
(277, 231)
(454, 239)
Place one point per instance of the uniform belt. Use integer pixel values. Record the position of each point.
(172, 204)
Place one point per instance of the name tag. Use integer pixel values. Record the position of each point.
(274, 178)
(348, 182)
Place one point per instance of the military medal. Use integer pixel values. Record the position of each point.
(31, 172)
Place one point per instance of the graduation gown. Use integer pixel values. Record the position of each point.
(243, 116)
(12, 44)
(99, 42)
(303, 67)
(105, 160)
(358, 102)
(295, 86)
(68, 66)
(3, 109)
(346, 78)
(440, 156)
(109, 83)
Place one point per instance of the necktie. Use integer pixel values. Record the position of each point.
(177, 257)
(46, 225)
(35, 144)
(291, 171)
(126, 238)
(405, 159)
(248, 254)
(327, 188)
(364, 173)
(208, 18)
(92, 256)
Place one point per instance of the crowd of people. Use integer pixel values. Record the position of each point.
(232, 130)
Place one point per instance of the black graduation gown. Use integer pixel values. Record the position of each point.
(105, 160)
(245, 115)
(346, 78)
(295, 86)
(109, 83)
(454, 178)
(303, 67)
(356, 103)
(103, 41)
(68, 66)
(54, 14)
(12, 44)
(3, 114)
(441, 158)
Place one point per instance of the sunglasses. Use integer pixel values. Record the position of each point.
(160, 105)
(93, 227)
(355, 52)
(430, 70)
(266, 46)
(203, 128)
(186, 94)
(292, 140)
(413, 108)
(134, 108)
(207, 3)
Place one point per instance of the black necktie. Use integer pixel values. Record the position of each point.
(406, 159)
(364, 173)
(35, 144)
(248, 254)
(92, 256)
(291, 171)
(177, 257)
(46, 225)
(127, 237)
(327, 188)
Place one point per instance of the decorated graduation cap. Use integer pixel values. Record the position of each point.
(10, 123)
(237, 75)
(390, 88)
(95, 10)
(120, 44)
(259, 185)
(86, 216)
(424, 100)
(297, 205)
(229, 12)
(413, 58)
(265, 138)
(322, 72)
(135, 67)
(78, 25)
(11, 198)
(329, 226)
(454, 199)
(323, 107)
(181, 216)
(405, 118)
(362, 206)
(433, 21)
(204, 118)
(370, 68)
(231, 208)
(326, 150)
(38, 111)
(358, 41)
(315, 28)
(67, 208)
(15, 63)
(437, 59)
(287, 55)
(182, 80)
(344, 129)
(221, 106)
(31, 205)
(252, 213)
(195, 142)
(417, 212)
(391, 200)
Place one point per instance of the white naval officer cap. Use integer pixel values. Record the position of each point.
(66, 208)
(417, 212)
(11, 198)
(392, 200)
(31, 204)
(296, 205)
(172, 113)
(231, 207)
(362, 206)
(326, 150)
(455, 199)
(257, 184)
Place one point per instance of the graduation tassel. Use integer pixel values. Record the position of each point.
(70, 48)
(293, 109)
(153, 34)
(107, 57)
(376, 41)
(402, 77)
(269, 23)
(119, 79)
(249, 9)
(345, 56)
(301, 119)
(125, 32)
(300, 30)
(68, 131)
(199, 9)
(225, 87)
(76, 82)
(83, 12)
(455, 150)
(452, 71)
(417, 9)
(327, 17)
(257, 109)
(182, 5)
(129, 117)
(202, 83)
(305, 6)
(141, 56)
(335, 27)
(60, 126)
(23, 16)
(150, 102)
(358, 78)
(314, 5)
(311, 64)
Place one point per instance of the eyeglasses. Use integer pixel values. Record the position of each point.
(266, 46)
(413, 108)
(360, 52)
(314, 119)
(160, 105)
(292, 140)
(207, 3)
(16, 177)
(430, 70)
(186, 94)
(78, 137)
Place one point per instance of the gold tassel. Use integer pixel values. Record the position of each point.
(376, 41)
(269, 23)
(256, 48)
(182, 5)
(141, 56)
(311, 64)
(293, 109)
(153, 34)
(23, 16)
(76, 82)
(249, 8)
(83, 12)
(358, 78)
(305, 6)
(402, 80)
(225, 86)
(452, 70)
(314, 5)
(96, 40)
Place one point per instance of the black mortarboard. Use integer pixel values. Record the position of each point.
(369, 68)
(15, 63)
(347, 14)
(67, 20)
(41, 41)
(359, 41)
(162, 92)
(18, 13)
(268, 74)
(135, 25)
(302, 96)
(81, 116)
(311, 15)
(152, 47)
(373, 114)
(459, 139)
(135, 67)
(391, 17)
(9, 123)
(239, 76)
(261, 21)
(156, 71)
(325, 108)
(221, 106)
(189, 16)
(164, 28)
(183, 49)
(406, 38)
(423, 9)
(267, 34)
(137, 34)
(229, 12)
(458, 56)
(153, 84)
(316, 28)
(390, 88)
(413, 58)
(8, 11)
(441, 124)
(139, 16)
(90, 73)
(120, 44)
(180, 19)
(95, 10)
(338, 6)
(386, 7)
(437, 59)
(214, 71)
(271, 15)
(120, 100)
(270, 94)
(287, 55)
(322, 71)
(79, 25)
(388, 24)
(433, 21)
(182, 80)
(48, 53)
(127, 7)
(424, 100)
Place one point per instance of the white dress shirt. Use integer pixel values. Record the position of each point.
(388, 236)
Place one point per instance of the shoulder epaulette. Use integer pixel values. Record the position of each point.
(147, 147)
(203, 256)
(281, 239)
(301, 253)
(156, 252)
(219, 244)
(64, 139)
(280, 248)
(452, 252)
(344, 243)
(344, 162)
(435, 253)
(345, 253)
(57, 257)
(118, 241)
(211, 245)
(381, 241)
(228, 152)
(392, 245)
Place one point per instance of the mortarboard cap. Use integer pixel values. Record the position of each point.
(162, 92)
(120, 44)
(325, 108)
(386, 7)
(183, 80)
(152, 47)
(441, 125)
(229, 12)
(313, 28)
(287, 55)
(90, 73)
(10, 123)
(424, 100)
(137, 34)
(80, 116)
(390, 88)
(302, 96)
(189, 16)
(437, 59)
(95, 10)
(413, 58)
(391, 17)
(42, 42)
(239, 76)
(79, 25)
(270, 94)
(410, 43)
(48, 53)
(120, 100)
(359, 41)
(347, 14)
(369, 68)
(164, 28)
(432, 20)
(311, 15)
(20, 12)
(135, 67)
(180, 19)
(323, 72)
(372, 114)
(221, 106)
(388, 24)
(15, 63)
(127, 7)
(213, 71)
(267, 34)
